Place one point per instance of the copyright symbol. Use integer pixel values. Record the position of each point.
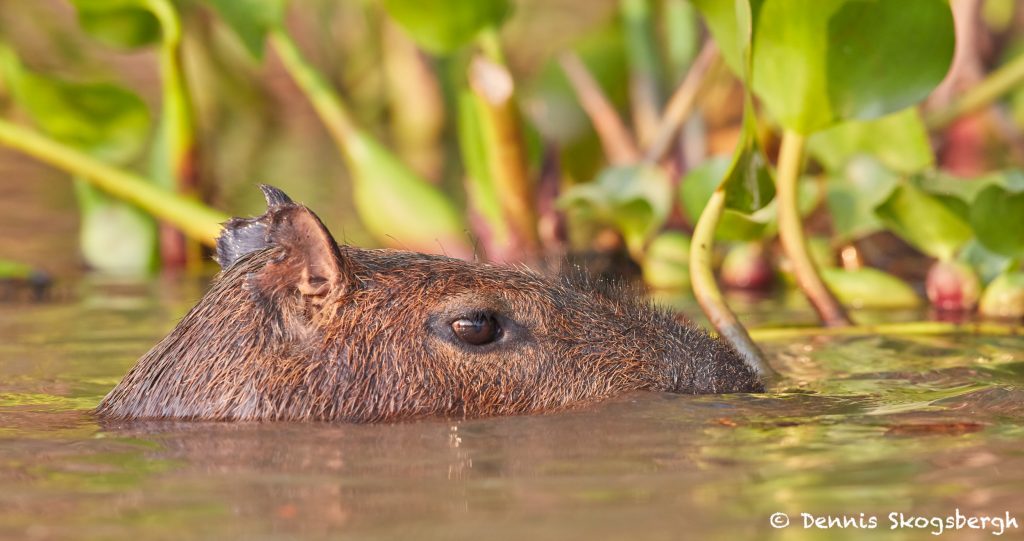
(779, 520)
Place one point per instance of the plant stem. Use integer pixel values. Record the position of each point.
(680, 105)
(490, 43)
(194, 219)
(618, 143)
(645, 72)
(501, 127)
(386, 192)
(984, 93)
(177, 121)
(320, 94)
(705, 289)
(175, 166)
(791, 233)
(910, 328)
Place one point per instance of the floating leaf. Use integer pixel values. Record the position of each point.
(997, 215)
(933, 224)
(899, 141)
(869, 288)
(120, 23)
(1004, 297)
(251, 20)
(442, 26)
(635, 198)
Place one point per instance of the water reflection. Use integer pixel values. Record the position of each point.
(863, 425)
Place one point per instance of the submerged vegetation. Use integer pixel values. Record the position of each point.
(780, 142)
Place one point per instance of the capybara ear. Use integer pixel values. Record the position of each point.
(310, 261)
(241, 236)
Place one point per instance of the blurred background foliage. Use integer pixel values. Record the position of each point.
(868, 152)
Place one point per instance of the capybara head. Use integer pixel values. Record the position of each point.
(299, 328)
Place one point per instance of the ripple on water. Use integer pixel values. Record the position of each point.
(867, 424)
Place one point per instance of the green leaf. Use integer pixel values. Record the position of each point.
(697, 187)
(666, 265)
(442, 26)
(1004, 297)
(721, 19)
(106, 121)
(987, 263)
(933, 224)
(115, 237)
(15, 270)
(701, 181)
(818, 62)
(869, 288)
(966, 189)
(748, 184)
(636, 199)
(682, 36)
(251, 20)
(853, 193)
(997, 216)
(398, 207)
(119, 23)
(899, 141)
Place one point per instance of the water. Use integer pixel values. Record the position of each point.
(873, 425)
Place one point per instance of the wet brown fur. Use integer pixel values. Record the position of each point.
(306, 330)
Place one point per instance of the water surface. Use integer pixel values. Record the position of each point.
(873, 425)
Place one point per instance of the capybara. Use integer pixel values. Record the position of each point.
(299, 328)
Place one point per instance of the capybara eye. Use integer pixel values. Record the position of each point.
(477, 330)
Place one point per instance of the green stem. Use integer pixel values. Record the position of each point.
(505, 144)
(15, 270)
(385, 191)
(501, 128)
(791, 233)
(645, 73)
(174, 164)
(324, 99)
(705, 288)
(193, 218)
(490, 43)
(909, 328)
(177, 120)
(984, 93)
(682, 102)
(619, 146)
